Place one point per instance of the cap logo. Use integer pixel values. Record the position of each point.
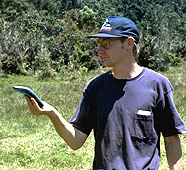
(106, 26)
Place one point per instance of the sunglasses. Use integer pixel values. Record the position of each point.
(105, 43)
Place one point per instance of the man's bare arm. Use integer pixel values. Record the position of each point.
(174, 152)
(73, 137)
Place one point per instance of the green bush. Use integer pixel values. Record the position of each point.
(34, 31)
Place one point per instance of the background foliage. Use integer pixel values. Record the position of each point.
(49, 36)
(46, 37)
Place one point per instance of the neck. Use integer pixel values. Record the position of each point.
(129, 71)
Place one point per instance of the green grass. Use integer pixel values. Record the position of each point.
(31, 142)
(177, 77)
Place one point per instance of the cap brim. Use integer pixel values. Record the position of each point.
(100, 35)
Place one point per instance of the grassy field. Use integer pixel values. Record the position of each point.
(30, 142)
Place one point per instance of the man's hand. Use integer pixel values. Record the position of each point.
(36, 110)
(73, 137)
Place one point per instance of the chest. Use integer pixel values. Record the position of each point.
(125, 98)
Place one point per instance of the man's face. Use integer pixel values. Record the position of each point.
(111, 51)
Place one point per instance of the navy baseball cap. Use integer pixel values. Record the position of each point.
(115, 26)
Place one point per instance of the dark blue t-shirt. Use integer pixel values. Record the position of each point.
(127, 117)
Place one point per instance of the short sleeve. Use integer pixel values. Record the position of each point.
(83, 119)
(171, 122)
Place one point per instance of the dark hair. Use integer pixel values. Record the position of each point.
(123, 39)
(135, 47)
(135, 50)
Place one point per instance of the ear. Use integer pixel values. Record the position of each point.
(131, 41)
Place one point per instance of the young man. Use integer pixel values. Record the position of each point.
(127, 107)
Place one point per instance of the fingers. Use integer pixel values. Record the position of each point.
(33, 106)
(36, 110)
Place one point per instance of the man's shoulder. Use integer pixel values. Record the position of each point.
(100, 78)
(155, 75)
(158, 79)
(97, 81)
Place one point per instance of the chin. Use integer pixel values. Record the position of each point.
(107, 64)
